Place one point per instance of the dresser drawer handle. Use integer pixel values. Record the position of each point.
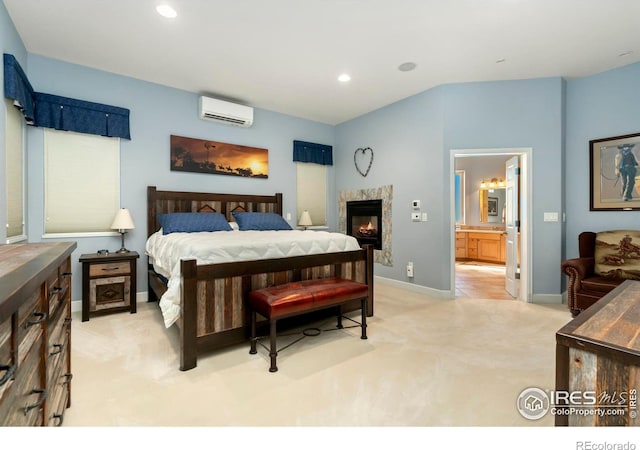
(59, 348)
(10, 370)
(66, 275)
(109, 269)
(69, 377)
(54, 291)
(60, 418)
(41, 317)
(43, 397)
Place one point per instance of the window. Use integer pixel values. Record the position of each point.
(14, 144)
(82, 182)
(460, 193)
(312, 192)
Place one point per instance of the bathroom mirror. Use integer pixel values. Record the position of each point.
(492, 205)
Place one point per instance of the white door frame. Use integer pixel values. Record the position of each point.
(526, 212)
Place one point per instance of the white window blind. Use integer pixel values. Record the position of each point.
(312, 192)
(82, 182)
(14, 173)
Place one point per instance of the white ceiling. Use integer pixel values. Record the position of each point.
(286, 55)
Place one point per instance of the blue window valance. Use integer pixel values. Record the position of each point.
(309, 152)
(18, 88)
(62, 113)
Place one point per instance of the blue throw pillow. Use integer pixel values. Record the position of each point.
(260, 221)
(192, 222)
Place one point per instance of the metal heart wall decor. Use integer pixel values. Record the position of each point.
(362, 159)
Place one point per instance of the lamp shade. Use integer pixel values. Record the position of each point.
(305, 219)
(123, 220)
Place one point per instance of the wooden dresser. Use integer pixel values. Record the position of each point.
(35, 333)
(598, 362)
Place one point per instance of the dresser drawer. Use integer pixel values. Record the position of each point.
(25, 402)
(58, 285)
(60, 388)
(58, 342)
(109, 269)
(7, 364)
(31, 321)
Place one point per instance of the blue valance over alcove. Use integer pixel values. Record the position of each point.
(309, 152)
(18, 88)
(69, 114)
(62, 113)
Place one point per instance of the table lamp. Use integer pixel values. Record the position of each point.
(305, 219)
(122, 223)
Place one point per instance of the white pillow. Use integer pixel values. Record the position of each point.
(234, 226)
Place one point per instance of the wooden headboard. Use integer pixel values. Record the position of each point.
(163, 202)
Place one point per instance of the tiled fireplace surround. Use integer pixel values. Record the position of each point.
(384, 193)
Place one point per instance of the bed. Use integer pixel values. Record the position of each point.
(209, 301)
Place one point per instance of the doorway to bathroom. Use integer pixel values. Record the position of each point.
(490, 239)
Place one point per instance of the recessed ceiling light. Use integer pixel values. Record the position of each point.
(344, 78)
(407, 67)
(166, 11)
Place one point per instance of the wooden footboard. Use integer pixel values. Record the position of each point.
(214, 295)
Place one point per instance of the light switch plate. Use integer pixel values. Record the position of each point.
(551, 217)
(415, 217)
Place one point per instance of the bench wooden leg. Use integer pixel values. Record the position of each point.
(339, 317)
(363, 320)
(254, 339)
(273, 352)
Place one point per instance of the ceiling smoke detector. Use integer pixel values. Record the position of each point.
(407, 67)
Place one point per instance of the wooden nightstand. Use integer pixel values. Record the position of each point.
(108, 283)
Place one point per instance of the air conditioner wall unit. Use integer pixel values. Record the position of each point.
(225, 112)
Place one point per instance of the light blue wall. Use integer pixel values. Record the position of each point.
(156, 113)
(412, 140)
(9, 43)
(406, 138)
(517, 114)
(599, 106)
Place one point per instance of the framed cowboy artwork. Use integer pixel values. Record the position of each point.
(615, 173)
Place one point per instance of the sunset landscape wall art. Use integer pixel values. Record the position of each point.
(199, 155)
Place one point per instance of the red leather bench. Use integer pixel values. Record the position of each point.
(292, 299)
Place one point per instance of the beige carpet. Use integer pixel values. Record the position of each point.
(427, 362)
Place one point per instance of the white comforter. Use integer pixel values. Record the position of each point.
(166, 251)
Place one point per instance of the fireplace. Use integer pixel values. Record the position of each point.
(364, 222)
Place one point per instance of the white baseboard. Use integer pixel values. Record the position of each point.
(558, 299)
(413, 287)
(555, 299)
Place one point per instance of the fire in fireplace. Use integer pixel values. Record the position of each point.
(364, 222)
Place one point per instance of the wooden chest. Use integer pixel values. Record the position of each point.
(35, 333)
(598, 362)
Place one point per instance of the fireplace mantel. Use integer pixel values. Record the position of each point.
(384, 193)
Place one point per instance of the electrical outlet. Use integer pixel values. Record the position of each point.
(424, 217)
(410, 269)
(288, 216)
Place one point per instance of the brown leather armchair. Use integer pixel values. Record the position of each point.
(585, 287)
